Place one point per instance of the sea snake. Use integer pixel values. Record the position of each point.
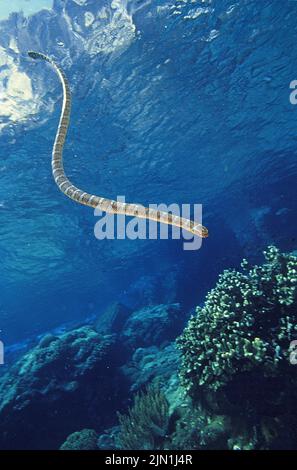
(106, 205)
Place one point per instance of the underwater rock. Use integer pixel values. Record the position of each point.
(46, 340)
(68, 383)
(112, 320)
(153, 325)
(86, 439)
(108, 439)
(150, 363)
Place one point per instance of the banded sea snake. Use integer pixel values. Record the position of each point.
(106, 205)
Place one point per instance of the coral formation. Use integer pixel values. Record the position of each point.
(108, 440)
(194, 429)
(247, 323)
(153, 325)
(180, 423)
(112, 320)
(150, 363)
(236, 388)
(235, 351)
(146, 424)
(63, 384)
(86, 439)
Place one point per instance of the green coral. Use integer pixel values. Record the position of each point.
(246, 323)
(86, 439)
(146, 424)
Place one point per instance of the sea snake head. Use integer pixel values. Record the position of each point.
(199, 230)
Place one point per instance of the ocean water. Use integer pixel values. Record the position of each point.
(183, 102)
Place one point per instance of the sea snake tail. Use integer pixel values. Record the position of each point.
(106, 205)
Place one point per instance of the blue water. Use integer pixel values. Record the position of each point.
(184, 102)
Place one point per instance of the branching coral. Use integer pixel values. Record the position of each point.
(145, 426)
(247, 322)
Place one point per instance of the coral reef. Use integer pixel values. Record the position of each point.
(180, 423)
(196, 430)
(63, 384)
(228, 382)
(112, 320)
(86, 439)
(248, 321)
(235, 350)
(146, 424)
(108, 440)
(147, 364)
(153, 325)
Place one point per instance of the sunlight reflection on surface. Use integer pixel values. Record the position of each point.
(27, 6)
